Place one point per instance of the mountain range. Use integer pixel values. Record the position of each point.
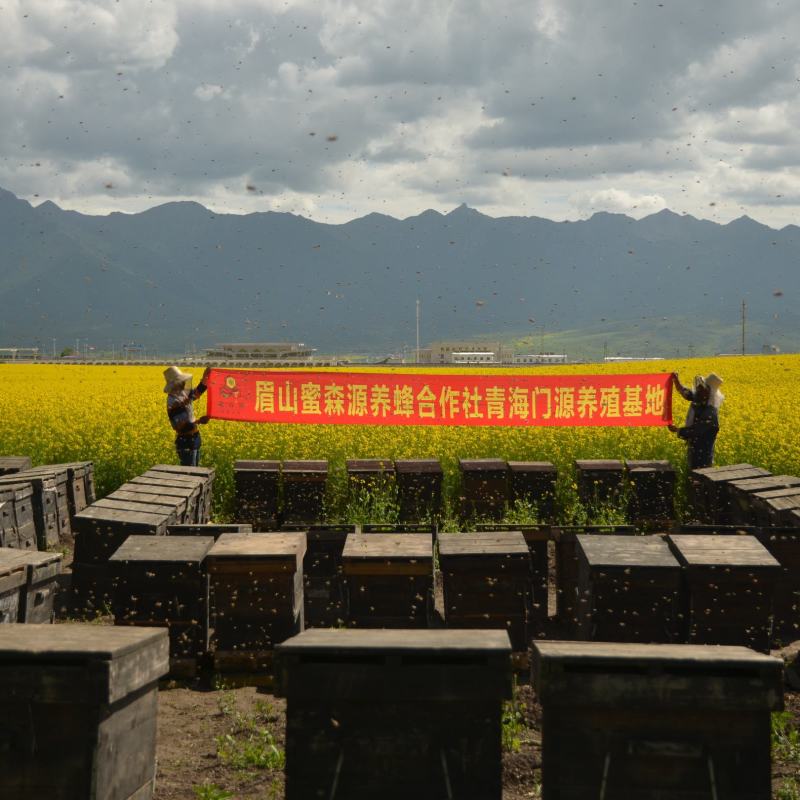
(180, 275)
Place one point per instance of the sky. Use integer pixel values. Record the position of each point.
(335, 109)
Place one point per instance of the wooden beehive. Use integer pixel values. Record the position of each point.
(729, 582)
(304, 484)
(49, 503)
(394, 714)
(389, 579)
(533, 483)
(79, 711)
(133, 496)
(190, 489)
(708, 492)
(161, 581)
(100, 529)
(323, 583)
(37, 600)
(257, 492)
(209, 529)
(628, 589)
(567, 568)
(784, 545)
(80, 490)
(599, 480)
(205, 476)
(652, 496)
(655, 721)
(487, 582)
(743, 494)
(18, 522)
(419, 488)
(9, 465)
(13, 576)
(257, 586)
(774, 508)
(369, 474)
(484, 487)
(538, 539)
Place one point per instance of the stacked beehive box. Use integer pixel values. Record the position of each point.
(394, 714)
(162, 582)
(484, 487)
(708, 490)
(487, 582)
(49, 502)
(729, 583)
(533, 483)
(389, 578)
(17, 526)
(257, 584)
(775, 507)
(628, 589)
(652, 495)
(257, 491)
(37, 594)
(745, 493)
(323, 582)
(624, 721)
(419, 488)
(784, 546)
(600, 481)
(79, 706)
(304, 487)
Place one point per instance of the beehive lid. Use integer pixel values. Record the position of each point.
(598, 465)
(418, 465)
(10, 563)
(604, 550)
(164, 549)
(201, 472)
(14, 463)
(496, 543)
(57, 472)
(142, 486)
(445, 642)
(257, 466)
(727, 474)
(395, 546)
(258, 546)
(16, 491)
(369, 465)
(531, 466)
(174, 478)
(482, 465)
(649, 466)
(706, 550)
(118, 660)
(772, 494)
(305, 466)
(766, 483)
(179, 488)
(31, 559)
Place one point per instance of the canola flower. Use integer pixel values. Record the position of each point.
(115, 417)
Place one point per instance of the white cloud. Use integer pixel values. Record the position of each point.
(618, 201)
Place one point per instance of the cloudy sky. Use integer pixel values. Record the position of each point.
(334, 109)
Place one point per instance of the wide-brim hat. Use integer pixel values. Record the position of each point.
(173, 375)
(713, 381)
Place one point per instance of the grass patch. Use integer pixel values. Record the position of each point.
(249, 743)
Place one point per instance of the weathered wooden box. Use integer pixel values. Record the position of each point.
(37, 600)
(79, 711)
(206, 477)
(419, 488)
(80, 490)
(394, 714)
(257, 491)
(161, 581)
(599, 480)
(484, 487)
(49, 504)
(534, 483)
(209, 529)
(652, 495)
(257, 587)
(9, 465)
(729, 583)
(567, 568)
(775, 507)
(18, 522)
(13, 577)
(304, 486)
(628, 589)
(136, 497)
(744, 494)
(389, 579)
(323, 582)
(784, 545)
(708, 492)
(650, 722)
(176, 486)
(100, 530)
(487, 582)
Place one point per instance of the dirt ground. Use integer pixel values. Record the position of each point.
(193, 723)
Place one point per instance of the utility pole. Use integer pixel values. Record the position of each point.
(744, 321)
(54, 347)
(417, 361)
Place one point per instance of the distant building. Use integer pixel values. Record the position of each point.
(261, 351)
(19, 353)
(539, 358)
(455, 352)
(770, 349)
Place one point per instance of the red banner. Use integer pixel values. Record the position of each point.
(357, 398)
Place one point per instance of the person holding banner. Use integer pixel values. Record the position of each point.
(180, 412)
(702, 420)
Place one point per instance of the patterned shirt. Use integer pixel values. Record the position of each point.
(181, 411)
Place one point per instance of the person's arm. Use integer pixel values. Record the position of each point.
(702, 426)
(686, 394)
(201, 387)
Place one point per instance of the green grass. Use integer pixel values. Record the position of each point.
(210, 791)
(513, 723)
(249, 743)
(785, 739)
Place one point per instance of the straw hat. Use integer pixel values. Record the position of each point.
(713, 381)
(173, 375)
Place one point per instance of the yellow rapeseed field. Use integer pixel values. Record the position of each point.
(115, 416)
